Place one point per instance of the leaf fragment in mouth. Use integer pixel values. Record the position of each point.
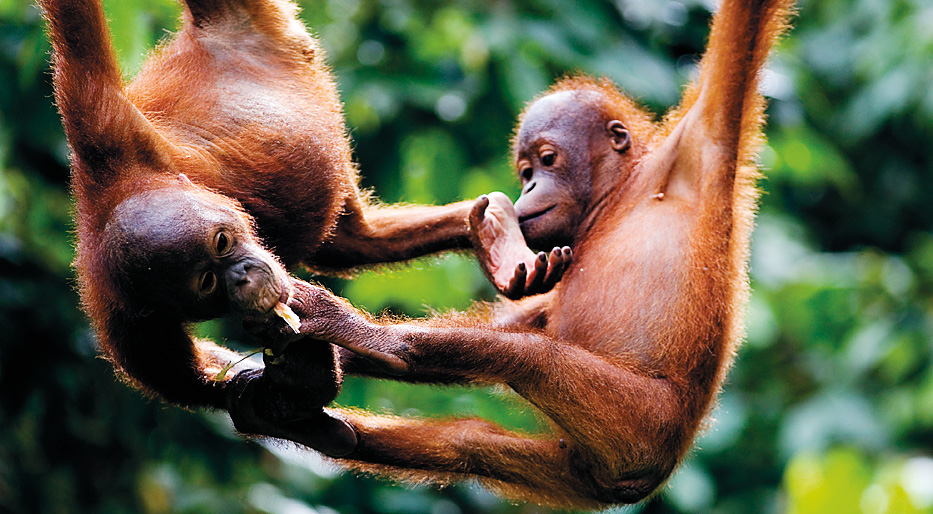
(286, 313)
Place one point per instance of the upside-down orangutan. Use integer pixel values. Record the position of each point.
(627, 353)
(231, 134)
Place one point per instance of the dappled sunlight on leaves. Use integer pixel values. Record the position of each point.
(844, 480)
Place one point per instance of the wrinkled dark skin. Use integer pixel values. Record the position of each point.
(191, 253)
(555, 166)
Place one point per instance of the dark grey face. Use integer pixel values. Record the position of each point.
(554, 168)
(563, 136)
(193, 253)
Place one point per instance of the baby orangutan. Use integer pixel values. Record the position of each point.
(231, 134)
(627, 353)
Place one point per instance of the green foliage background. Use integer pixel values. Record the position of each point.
(829, 407)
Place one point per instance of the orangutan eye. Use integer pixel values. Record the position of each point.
(527, 173)
(208, 283)
(547, 158)
(223, 243)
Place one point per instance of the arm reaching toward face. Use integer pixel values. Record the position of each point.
(504, 256)
(626, 357)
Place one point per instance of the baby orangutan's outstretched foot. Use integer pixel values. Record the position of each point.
(509, 264)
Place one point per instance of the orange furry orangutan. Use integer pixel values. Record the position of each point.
(230, 142)
(627, 353)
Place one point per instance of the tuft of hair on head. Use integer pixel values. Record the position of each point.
(617, 105)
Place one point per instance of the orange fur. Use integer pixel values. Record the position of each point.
(625, 356)
(241, 102)
(628, 352)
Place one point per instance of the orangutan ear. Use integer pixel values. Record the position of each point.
(620, 139)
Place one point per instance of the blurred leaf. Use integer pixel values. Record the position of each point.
(831, 418)
(804, 158)
(844, 481)
(524, 78)
(431, 164)
(691, 489)
(447, 283)
(832, 484)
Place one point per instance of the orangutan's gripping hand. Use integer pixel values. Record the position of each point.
(326, 317)
(506, 260)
